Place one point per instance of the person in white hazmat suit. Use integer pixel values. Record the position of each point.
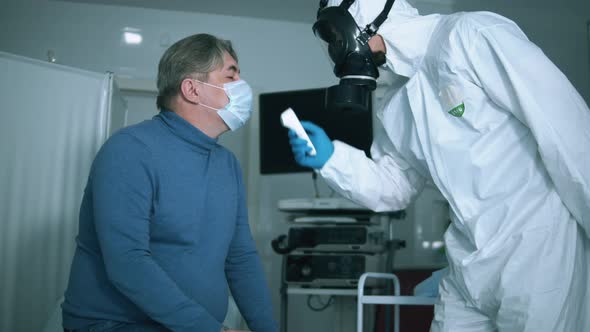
(485, 115)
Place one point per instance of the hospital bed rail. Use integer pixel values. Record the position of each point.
(395, 299)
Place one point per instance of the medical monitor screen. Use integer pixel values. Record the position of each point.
(353, 128)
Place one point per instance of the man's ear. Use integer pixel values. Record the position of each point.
(189, 91)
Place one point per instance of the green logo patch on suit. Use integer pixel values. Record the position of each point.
(452, 101)
(458, 111)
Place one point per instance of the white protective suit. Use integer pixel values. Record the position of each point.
(506, 138)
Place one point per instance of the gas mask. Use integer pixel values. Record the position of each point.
(347, 46)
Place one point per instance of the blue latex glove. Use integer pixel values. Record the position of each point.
(322, 143)
(429, 287)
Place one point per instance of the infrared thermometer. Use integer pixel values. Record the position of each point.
(290, 120)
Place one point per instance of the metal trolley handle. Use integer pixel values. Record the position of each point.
(395, 300)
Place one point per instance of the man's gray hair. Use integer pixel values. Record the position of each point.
(194, 56)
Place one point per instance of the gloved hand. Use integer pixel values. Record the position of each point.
(322, 143)
(429, 286)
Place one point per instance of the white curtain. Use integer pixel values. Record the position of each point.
(53, 121)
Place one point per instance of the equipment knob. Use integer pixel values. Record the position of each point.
(306, 270)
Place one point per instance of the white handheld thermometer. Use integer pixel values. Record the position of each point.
(290, 120)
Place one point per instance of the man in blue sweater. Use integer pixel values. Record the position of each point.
(163, 223)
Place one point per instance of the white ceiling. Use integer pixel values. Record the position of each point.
(283, 10)
(305, 10)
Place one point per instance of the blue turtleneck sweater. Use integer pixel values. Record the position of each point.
(163, 231)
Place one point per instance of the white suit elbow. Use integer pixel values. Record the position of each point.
(380, 186)
(399, 186)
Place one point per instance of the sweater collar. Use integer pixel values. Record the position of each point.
(186, 131)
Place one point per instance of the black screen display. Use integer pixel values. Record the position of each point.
(353, 128)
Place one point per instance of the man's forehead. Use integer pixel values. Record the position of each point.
(229, 63)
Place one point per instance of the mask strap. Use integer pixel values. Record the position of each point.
(215, 86)
(346, 4)
(372, 28)
(211, 108)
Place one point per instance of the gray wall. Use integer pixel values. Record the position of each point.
(559, 28)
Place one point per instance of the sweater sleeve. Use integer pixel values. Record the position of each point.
(122, 189)
(244, 273)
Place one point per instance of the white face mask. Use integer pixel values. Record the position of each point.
(239, 109)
